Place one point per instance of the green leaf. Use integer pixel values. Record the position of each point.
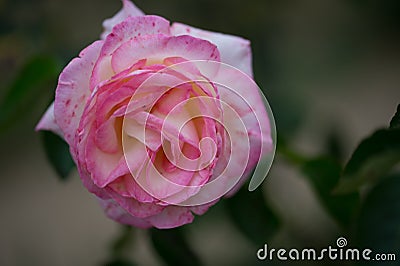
(324, 174)
(252, 216)
(378, 225)
(57, 152)
(173, 248)
(29, 84)
(395, 122)
(372, 159)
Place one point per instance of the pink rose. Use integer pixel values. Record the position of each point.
(162, 120)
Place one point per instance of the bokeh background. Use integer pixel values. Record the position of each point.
(330, 69)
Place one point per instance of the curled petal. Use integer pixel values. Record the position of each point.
(128, 10)
(48, 122)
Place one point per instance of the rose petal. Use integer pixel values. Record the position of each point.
(198, 180)
(136, 191)
(101, 165)
(73, 91)
(134, 207)
(201, 209)
(126, 186)
(136, 155)
(155, 48)
(243, 95)
(235, 51)
(115, 212)
(78, 152)
(128, 9)
(150, 138)
(108, 135)
(170, 217)
(128, 29)
(48, 122)
(163, 183)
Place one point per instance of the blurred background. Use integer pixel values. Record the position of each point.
(330, 69)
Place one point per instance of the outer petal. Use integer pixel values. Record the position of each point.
(48, 122)
(201, 209)
(235, 51)
(115, 212)
(171, 216)
(134, 207)
(128, 9)
(73, 91)
(90, 186)
(244, 97)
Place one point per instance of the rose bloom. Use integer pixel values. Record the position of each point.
(158, 123)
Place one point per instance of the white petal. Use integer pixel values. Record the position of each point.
(234, 50)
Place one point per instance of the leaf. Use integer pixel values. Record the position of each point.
(324, 174)
(378, 225)
(252, 216)
(26, 88)
(173, 248)
(373, 158)
(58, 154)
(395, 122)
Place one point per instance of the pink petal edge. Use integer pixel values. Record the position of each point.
(73, 91)
(128, 10)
